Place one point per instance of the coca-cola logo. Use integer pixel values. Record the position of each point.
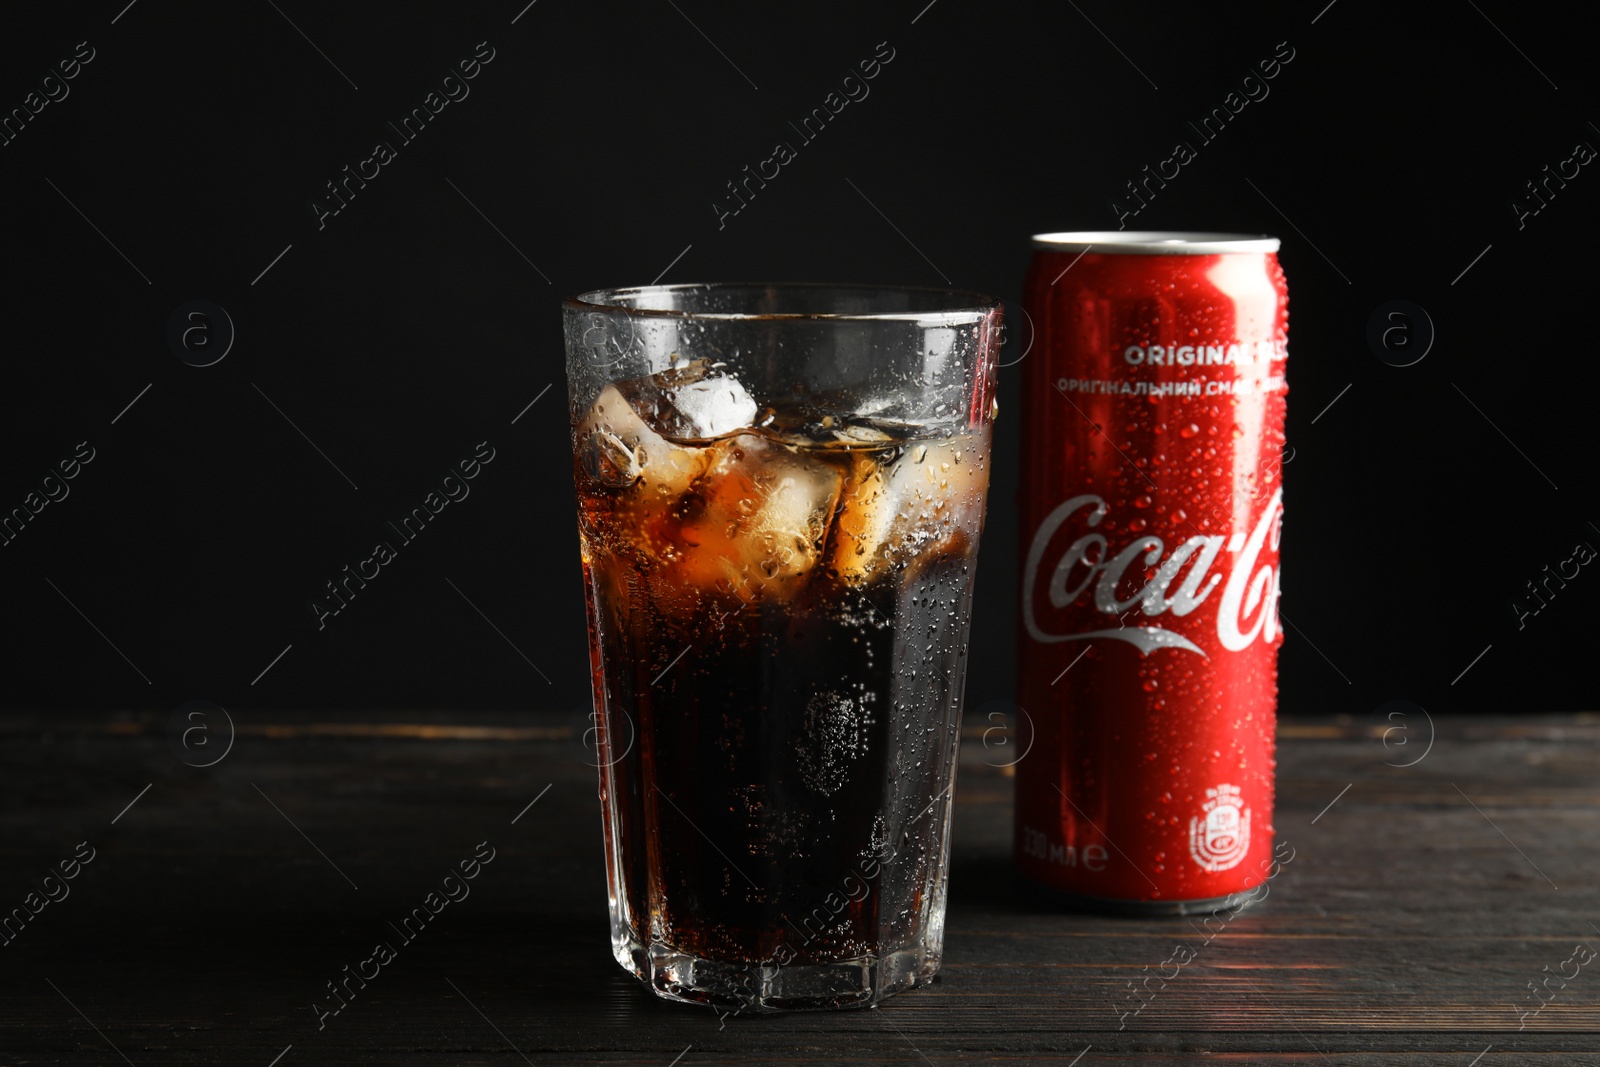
(1091, 571)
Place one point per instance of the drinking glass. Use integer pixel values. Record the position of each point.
(780, 493)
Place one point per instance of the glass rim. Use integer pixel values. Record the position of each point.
(965, 306)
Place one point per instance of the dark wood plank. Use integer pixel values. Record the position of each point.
(1405, 929)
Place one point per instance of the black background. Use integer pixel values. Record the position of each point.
(408, 329)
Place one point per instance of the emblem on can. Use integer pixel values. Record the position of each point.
(1220, 839)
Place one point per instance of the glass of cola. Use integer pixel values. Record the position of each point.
(780, 492)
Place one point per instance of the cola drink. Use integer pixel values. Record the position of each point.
(1151, 518)
(752, 566)
(779, 587)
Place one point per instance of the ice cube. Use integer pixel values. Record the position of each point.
(696, 402)
(711, 408)
(738, 519)
(761, 520)
(621, 451)
(639, 482)
(610, 461)
(862, 434)
(923, 503)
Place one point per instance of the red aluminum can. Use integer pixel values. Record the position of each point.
(1151, 512)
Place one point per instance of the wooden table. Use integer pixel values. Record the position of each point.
(219, 902)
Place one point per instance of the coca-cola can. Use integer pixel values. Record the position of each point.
(1151, 509)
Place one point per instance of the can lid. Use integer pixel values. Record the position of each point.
(1155, 242)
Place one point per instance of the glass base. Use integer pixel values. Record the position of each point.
(860, 982)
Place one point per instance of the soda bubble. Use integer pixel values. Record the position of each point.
(833, 736)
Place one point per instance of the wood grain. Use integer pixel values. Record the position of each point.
(1416, 910)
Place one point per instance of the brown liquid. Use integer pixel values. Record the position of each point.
(777, 631)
